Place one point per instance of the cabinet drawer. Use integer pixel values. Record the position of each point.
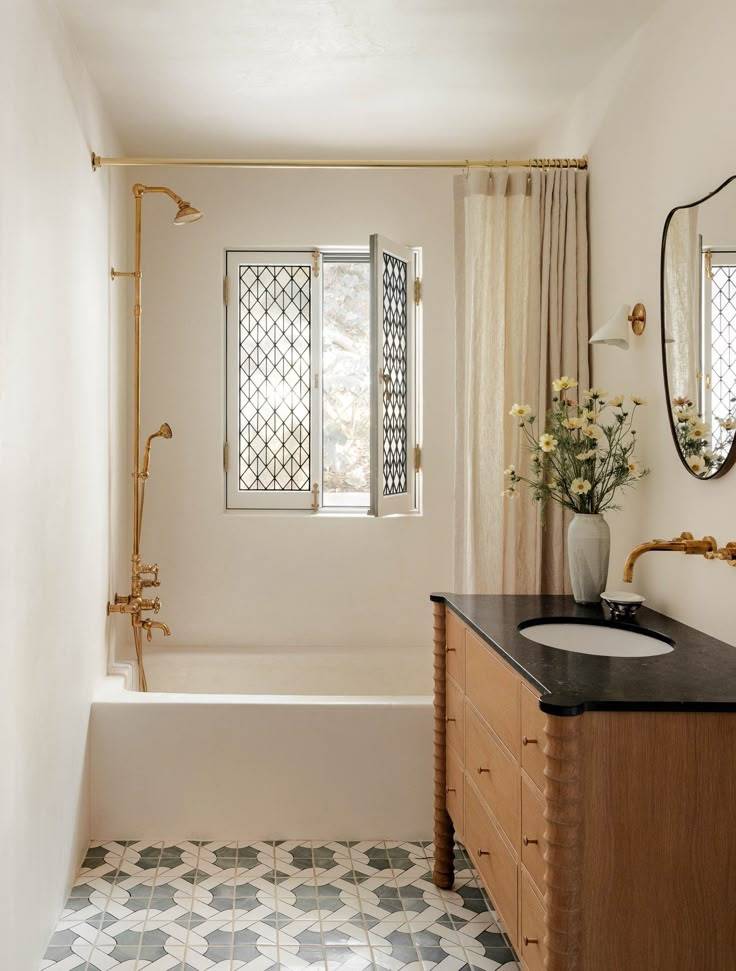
(493, 859)
(454, 715)
(455, 648)
(495, 774)
(532, 737)
(494, 691)
(455, 791)
(531, 927)
(532, 834)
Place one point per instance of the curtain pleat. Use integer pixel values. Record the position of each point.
(521, 264)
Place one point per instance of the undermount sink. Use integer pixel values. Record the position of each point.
(589, 637)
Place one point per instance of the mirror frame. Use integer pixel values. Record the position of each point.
(730, 459)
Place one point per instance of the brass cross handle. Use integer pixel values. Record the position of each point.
(727, 553)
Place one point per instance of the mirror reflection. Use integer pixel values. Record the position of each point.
(699, 329)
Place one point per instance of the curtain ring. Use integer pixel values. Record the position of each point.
(466, 170)
(490, 171)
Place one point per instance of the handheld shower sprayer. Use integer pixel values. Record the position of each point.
(163, 432)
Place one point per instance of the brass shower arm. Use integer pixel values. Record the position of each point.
(139, 190)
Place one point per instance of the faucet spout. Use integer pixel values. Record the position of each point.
(148, 626)
(684, 543)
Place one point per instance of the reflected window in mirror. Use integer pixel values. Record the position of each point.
(699, 330)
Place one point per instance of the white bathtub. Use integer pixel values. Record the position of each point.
(239, 745)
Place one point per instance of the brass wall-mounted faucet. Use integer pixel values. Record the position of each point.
(685, 543)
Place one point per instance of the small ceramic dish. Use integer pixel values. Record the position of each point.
(622, 605)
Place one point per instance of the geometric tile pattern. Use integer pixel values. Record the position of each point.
(300, 906)
(723, 362)
(275, 378)
(395, 399)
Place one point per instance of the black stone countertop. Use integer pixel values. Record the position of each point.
(698, 675)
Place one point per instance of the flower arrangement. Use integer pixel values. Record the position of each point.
(694, 437)
(585, 453)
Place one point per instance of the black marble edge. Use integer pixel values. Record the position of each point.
(565, 706)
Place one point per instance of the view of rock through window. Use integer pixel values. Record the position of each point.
(346, 384)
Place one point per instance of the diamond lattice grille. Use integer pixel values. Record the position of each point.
(395, 376)
(723, 361)
(275, 378)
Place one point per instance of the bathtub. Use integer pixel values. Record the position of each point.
(265, 745)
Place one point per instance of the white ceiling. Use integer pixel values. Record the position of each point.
(337, 78)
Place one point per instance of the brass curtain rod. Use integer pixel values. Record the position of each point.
(331, 163)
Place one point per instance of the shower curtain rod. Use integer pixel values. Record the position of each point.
(331, 163)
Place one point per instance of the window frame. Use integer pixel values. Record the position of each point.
(301, 502)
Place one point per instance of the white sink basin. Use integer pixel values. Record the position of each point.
(590, 638)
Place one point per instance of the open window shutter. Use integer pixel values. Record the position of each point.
(394, 336)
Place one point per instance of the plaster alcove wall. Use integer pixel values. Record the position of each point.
(266, 580)
(57, 237)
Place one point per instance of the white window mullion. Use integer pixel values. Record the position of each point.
(316, 371)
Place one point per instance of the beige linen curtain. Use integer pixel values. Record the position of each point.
(521, 264)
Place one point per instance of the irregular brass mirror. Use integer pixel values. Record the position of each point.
(698, 293)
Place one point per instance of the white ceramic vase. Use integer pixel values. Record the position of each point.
(588, 550)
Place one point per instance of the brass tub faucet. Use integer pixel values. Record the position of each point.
(685, 543)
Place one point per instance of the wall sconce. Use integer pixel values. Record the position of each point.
(616, 329)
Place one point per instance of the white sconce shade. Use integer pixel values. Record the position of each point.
(615, 331)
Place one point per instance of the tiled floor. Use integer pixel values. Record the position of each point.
(263, 906)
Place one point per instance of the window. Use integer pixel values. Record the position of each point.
(322, 409)
(718, 346)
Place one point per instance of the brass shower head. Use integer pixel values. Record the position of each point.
(186, 214)
(165, 430)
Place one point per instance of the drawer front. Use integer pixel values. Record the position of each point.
(532, 834)
(495, 774)
(493, 859)
(455, 648)
(455, 791)
(494, 691)
(532, 737)
(531, 927)
(455, 715)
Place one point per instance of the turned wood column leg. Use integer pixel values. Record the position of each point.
(444, 843)
(564, 842)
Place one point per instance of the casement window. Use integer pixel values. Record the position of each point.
(322, 408)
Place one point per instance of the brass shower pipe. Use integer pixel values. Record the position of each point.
(332, 163)
(143, 575)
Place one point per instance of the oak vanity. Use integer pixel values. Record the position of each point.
(596, 795)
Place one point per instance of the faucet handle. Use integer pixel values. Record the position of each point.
(148, 626)
(727, 553)
(154, 605)
(153, 570)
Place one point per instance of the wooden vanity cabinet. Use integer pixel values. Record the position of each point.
(604, 839)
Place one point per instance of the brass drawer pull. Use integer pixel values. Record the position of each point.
(530, 940)
(450, 649)
(527, 841)
(450, 789)
(484, 853)
(528, 741)
(449, 719)
(481, 770)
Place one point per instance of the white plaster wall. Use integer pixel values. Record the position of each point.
(54, 243)
(656, 124)
(268, 580)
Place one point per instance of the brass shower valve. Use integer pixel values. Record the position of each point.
(727, 553)
(133, 605)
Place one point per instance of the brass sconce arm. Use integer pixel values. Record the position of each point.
(685, 543)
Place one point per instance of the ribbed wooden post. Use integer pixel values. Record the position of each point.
(564, 842)
(444, 843)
